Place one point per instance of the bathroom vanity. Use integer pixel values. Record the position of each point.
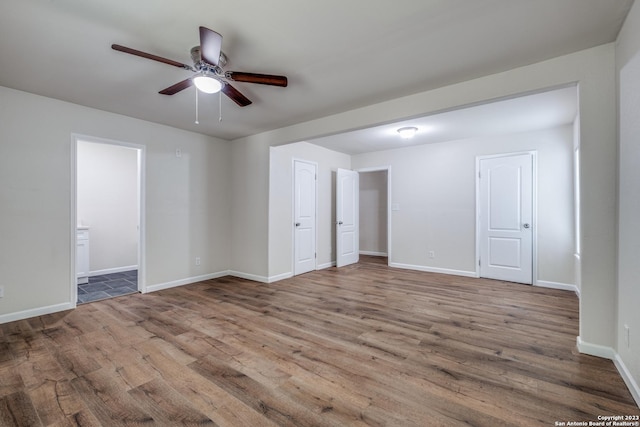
(82, 254)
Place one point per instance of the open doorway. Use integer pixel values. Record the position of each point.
(362, 214)
(108, 204)
(374, 196)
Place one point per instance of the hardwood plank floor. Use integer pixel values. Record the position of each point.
(365, 345)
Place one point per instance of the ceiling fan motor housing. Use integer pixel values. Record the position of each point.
(196, 57)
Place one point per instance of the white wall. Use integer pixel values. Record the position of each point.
(373, 213)
(187, 199)
(281, 204)
(628, 65)
(107, 200)
(248, 180)
(434, 186)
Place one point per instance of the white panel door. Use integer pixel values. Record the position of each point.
(304, 216)
(347, 218)
(505, 218)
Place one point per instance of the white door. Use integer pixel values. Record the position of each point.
(505, 218)
(304, 217)
(347, 220)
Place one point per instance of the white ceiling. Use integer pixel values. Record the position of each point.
(338, 54)
(522, 114)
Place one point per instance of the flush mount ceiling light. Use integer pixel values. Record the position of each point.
(407, 132)
(207, 84)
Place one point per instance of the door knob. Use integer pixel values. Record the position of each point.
(339, 222)
(297, 224)
(526, 225)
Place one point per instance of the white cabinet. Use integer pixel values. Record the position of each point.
(82, 254)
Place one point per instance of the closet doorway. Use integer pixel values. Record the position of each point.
(375, 212)
(108, 219)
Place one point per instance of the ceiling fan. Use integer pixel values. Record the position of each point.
(208, 64)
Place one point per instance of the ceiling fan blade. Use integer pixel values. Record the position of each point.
(150, 56)
(172, 90)
(263, 79)
(210, 45)
(235, 95)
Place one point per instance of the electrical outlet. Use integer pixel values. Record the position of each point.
(1, 291)
(198, 260)
(178, 153)
(626, 335)
(432, 254)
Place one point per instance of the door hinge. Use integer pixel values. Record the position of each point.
(315, 255)
(479, 175)
(479, 263)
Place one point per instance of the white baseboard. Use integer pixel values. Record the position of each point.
(326, 265)
(556, 285)
(373, 253)
(434, 269)
(35, 312)
(595, 349)
(249, 276)
(631, 383)
(610, 353)
(282, 276)
(187, 281)
(112, 270)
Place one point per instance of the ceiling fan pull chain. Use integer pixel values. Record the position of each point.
(220, 106)
(197, 122)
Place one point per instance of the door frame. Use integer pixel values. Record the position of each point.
(389, 198)
(293, 212)
(73, 217)
(534, 208)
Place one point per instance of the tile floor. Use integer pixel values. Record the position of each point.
(108, 286)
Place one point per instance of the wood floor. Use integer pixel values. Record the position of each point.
(363, 345)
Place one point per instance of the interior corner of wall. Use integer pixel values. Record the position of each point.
(595, 349)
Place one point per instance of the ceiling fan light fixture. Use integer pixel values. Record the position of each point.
(207, 84)
(407, 132)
